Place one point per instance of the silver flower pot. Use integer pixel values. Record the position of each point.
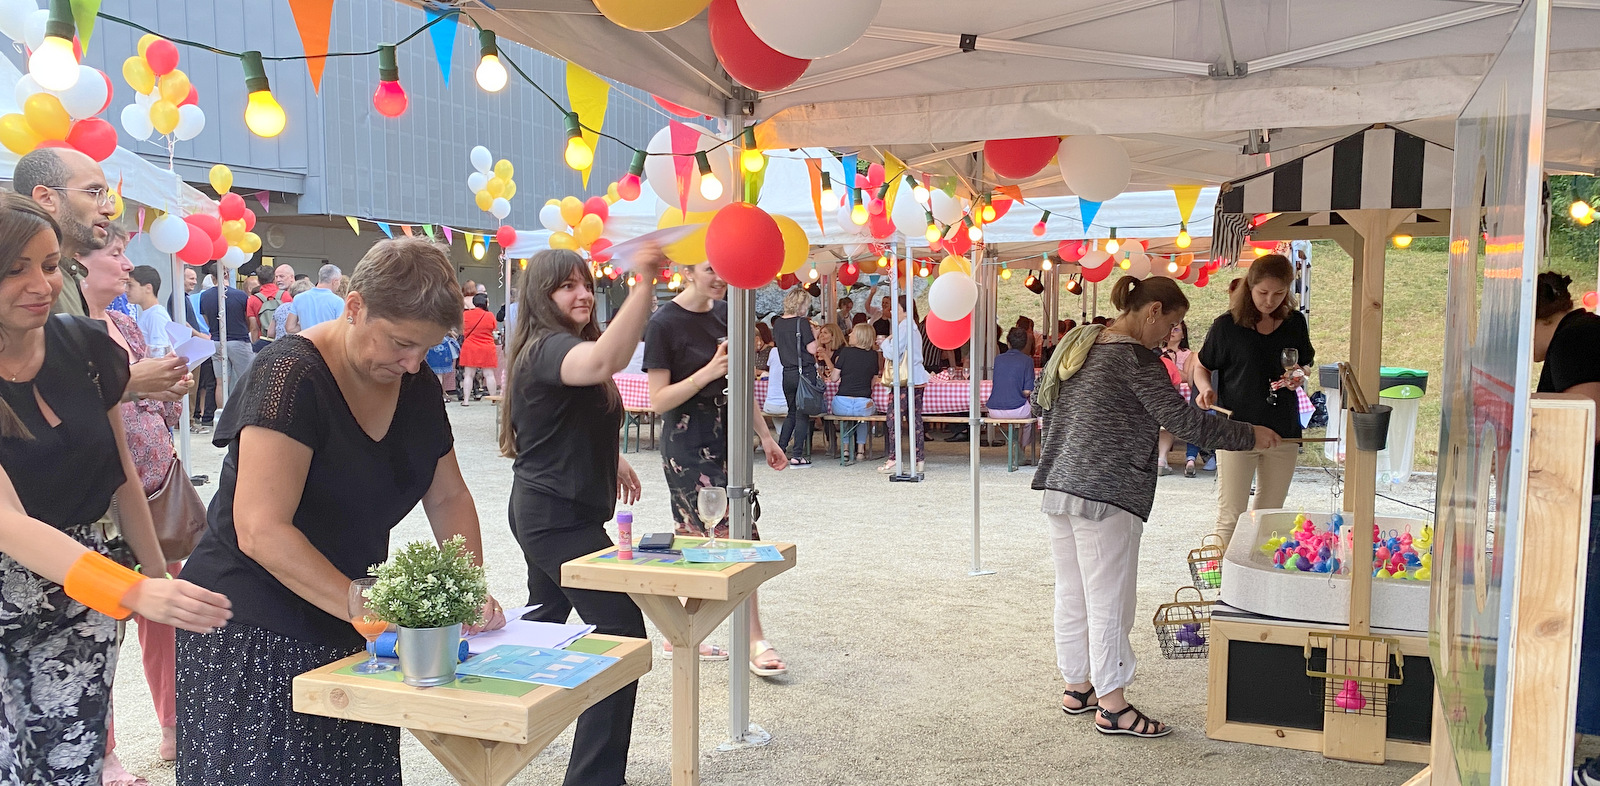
(428, 656)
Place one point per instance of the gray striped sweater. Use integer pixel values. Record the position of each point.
(1100, 434)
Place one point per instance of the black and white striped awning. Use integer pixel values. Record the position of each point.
(1376, 168)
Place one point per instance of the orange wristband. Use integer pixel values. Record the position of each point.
(101, 584)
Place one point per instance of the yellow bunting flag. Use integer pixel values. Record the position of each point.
(893, 168)
(1187, 196)
(355, 226)
(588, 95)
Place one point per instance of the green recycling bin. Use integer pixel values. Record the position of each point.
(1403, 389)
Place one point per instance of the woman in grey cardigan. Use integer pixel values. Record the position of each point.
(1107, 397)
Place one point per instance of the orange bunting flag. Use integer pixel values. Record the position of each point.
(406, 228)
(814, 168)
(313, 18)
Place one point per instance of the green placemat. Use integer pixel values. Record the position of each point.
(591, 646)
(674, 560)
(474, 684)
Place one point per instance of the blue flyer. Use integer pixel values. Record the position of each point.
(561, 668)
(752, 554)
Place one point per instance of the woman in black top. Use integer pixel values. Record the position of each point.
(796, 348)
(1245, 346)
(855, 367)
(560, 422)
(63, 463)
(1567, 341)
(340, 430)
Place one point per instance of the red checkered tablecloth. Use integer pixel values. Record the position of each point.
(635, 390)
(940, 397)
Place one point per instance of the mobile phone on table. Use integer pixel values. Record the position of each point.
(655, 541)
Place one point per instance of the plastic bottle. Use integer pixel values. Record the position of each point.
(625, 535)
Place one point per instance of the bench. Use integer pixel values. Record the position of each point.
(848, 425)
(635, 418)
(1014, 450)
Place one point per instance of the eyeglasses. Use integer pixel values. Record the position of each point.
(102, 196)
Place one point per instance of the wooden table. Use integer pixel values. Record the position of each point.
(687, 604)
(482, 739)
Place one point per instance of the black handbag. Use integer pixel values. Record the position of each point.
(810, 395)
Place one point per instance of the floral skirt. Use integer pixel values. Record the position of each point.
(237, 724)
(56, 660)
(694, 455)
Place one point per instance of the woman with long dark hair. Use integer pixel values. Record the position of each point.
(560, 423)
(1246, 346)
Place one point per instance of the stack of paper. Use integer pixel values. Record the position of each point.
(521, 632)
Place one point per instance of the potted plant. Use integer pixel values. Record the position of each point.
(429, 591)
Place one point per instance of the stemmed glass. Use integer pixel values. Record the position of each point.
(367, 624)
(1290, 360)
(713, 507)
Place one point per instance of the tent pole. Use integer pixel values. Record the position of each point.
(178, 299)
(975, 414)
(894, 366)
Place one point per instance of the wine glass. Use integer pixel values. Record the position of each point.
(713, 506)
(367, 624)
(1290, 360)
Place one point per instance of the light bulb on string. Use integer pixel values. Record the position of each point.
(262, 114)
(933, 233)
(1172, 266)
(710, 186)
(830, 200)
(477, 250)
(858, 214)
(628, 185)
(491, 74)
(1046, 264)
(751, 158)
(1402, 241)
(813, 274)
(633, 281)
(1112, 245)
(1261, 252)
(1183, 240)
(974, 232)
(1005, 274)
(53, 65)
(920, 193)
(877, 206)
(883, 261)
(988, 212)
(1038, 229)
(390, 98)
(925, 271)
(578, 155)
(1124, 263)
(1581, 212)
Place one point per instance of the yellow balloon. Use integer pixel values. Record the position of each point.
(17, 135)
(484, 200)
(688, 251)
(233, 232)
(503, 169)
(117, 205)
(795, 246)
(552, 201)
(221, 178)
(138, 74)
(145, 41)
(671, 217)
(511, 189)
(611, 193)
(250, 243)
(164, 116)
(954, 264)
(564, 241)
(589, 229)
(650, 16)
(46, 115)
(571, 210)
(175, 86)
(496, 186)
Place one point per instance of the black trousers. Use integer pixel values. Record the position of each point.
(796, 425)
(552, 531)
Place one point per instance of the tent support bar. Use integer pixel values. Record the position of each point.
(945, 155)
(864, 69)
(691, 62)
(1229, 66)
(1376, 37)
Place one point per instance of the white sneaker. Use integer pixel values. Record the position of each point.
(1587, 773)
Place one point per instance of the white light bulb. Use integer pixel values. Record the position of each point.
(1112, 245)
(491, 74)
(53, 66)
(710, 187)
(920, 193)
(830, 200)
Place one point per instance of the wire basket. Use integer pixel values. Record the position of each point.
(1357, 673)
(1183, 628)
(1205, 563)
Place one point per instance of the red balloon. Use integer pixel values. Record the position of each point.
(1095, 275)
(937, 245)
(1002, 205)
(600, 250)
(209, 224)
(1071, 250)
(788, 281)
(949, 335)
(93, 137)
(849, 274)
(249, 220)
(960, 244)
(162, 56)
(192, 98)
(231, 208)
(680, 111)
(505, 236)
(1016, 159)
(745, 57)
(880, 225)
(198, 250)
(874, 176)
(597, 206)
(744, 245)
(219, 246)
(1204, 279)
(109, 89)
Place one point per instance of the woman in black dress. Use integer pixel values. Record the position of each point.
(797, 347)
(338, 432)
(64, 462)
(686, 356)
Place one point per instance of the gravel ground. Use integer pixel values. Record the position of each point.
(904, 669)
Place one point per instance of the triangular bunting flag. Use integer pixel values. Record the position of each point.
(427, 229)
(313, 18)
(1187, 196)
(1015, 192)
(893, 168)
(354, 225)
(685, 141)
(1086, 212)
(849, 161)
(814, 168)
(388, 231)
(265, 198)
(83, 15)
(141, 219)
(449, 237)
(406, 228)
(588, 95)
(443, 36)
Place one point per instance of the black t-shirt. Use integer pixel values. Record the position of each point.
(566, 435)
(1247, 362)
(65, 476)
(792, 335)
(857, 368)
(882, 326)
(1574, 359)
(238, 325)
(356, 489)
(683, 341)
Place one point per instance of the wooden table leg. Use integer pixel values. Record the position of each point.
(475, 762)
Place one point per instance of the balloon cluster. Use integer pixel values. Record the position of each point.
(1096, 168)
(164, 101)
(197, 239)
(576, 224)
(54, 118)
(1131, 258)
(491, 184)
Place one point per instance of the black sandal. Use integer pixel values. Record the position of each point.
(1143, 725)
(1083, 701)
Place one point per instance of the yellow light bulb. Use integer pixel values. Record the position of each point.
(1402, 241)
(1579, 210)
(1124, 263)
(579, 156)
(710, 186)
(263, 116)
(491, 74)
(858, 214)
(1261, 252)
(753, 161)
(477, 251)
(988, 213)
(1111, 248)
(52, 64)
(920, 193)
(932, 234)
(1183, 238)
(1005, 274)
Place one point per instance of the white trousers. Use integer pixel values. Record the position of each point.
(1097, 578)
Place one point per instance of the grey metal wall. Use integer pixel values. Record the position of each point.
(337, 152)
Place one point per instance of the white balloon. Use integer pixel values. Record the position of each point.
(1138, 264)
(14, 16)
(826, 266)
(482, 160)
(1096, 168)
(477, 181)
(87, 97)
(191, 121)
(33, 29)
(952, 296)
(146, 100)
(1094, 258)
(26, 87)
(909, 217)
(136, 121)
(169, 234)
(947, 209)
(662, 174)
(550, 218)
(812, 29)
(500, 208)
(234, 257)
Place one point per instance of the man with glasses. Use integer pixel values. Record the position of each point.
(70, 187)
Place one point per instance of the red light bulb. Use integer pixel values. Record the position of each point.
(390, 99)
(875, 207)
(1038, 229)
(628, 187)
